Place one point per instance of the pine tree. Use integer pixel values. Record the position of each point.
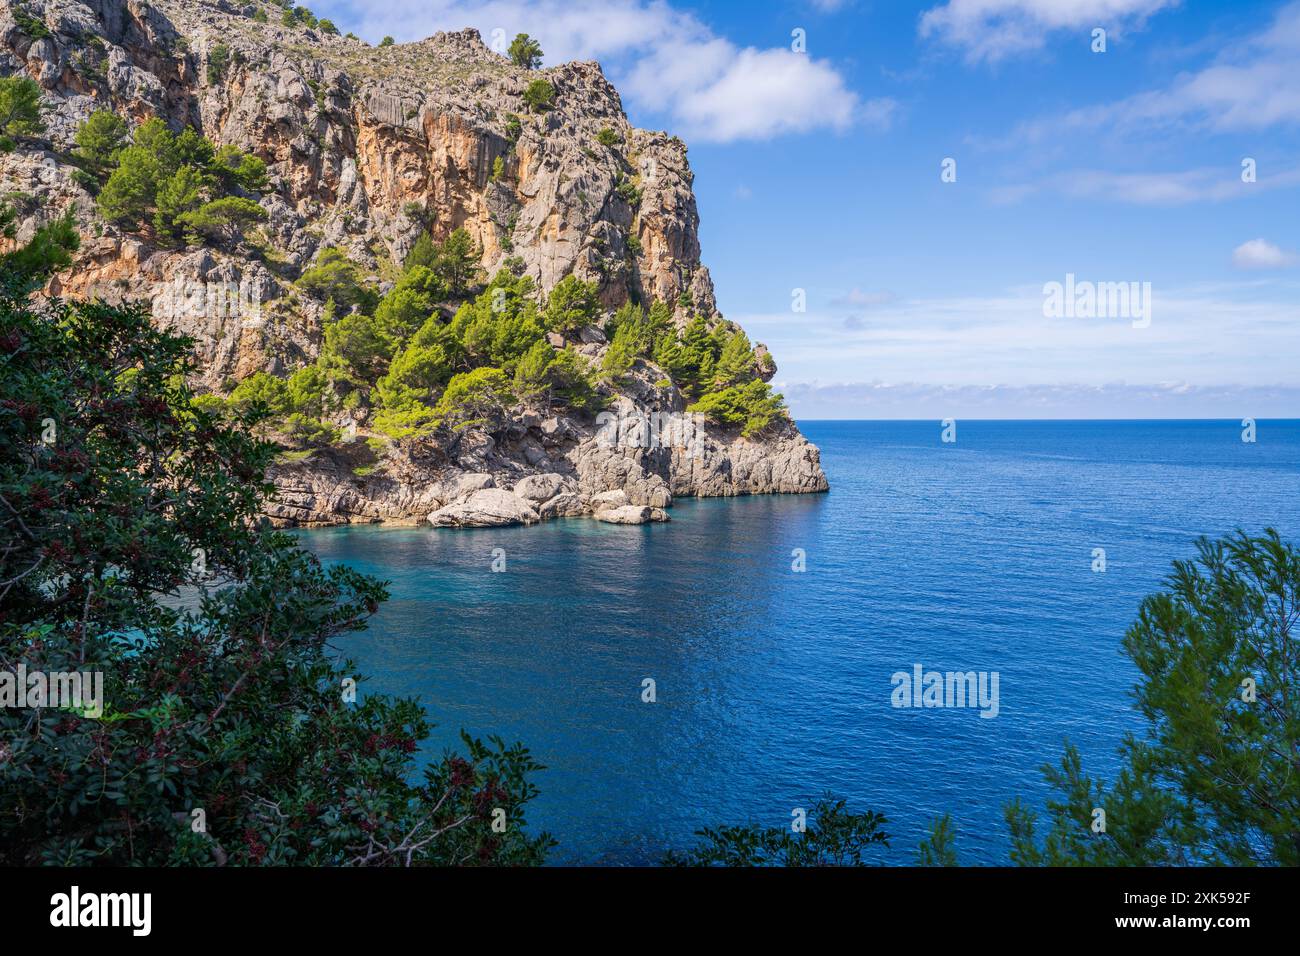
(423, 253)
(525, 52)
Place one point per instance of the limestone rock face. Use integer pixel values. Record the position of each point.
(367, 148)
(486, 508)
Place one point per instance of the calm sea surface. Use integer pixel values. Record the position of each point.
(774, 686)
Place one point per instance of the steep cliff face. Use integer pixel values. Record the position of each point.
(367, 148)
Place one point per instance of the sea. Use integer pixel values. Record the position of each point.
(734, 665)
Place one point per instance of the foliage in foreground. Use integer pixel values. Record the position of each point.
(227, 731)
(832, 836)
(1215, 779)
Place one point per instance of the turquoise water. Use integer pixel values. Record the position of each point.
(772, 685)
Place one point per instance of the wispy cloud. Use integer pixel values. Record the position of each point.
(895, 400)
(1252, 85)
(665, 59)
(1163, 188)
(856, 297)
(1236, 332)
(991, 30)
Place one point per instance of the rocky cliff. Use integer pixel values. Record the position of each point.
(367, 148)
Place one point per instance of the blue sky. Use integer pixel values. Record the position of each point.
(820, 171)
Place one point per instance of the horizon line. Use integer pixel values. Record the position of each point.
(930, 419)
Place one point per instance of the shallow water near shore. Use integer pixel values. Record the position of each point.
(774, 685)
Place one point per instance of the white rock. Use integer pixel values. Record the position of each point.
(631, 514)
(485, 508)
(608, 499)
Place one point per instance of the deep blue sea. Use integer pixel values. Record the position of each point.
(774, 685)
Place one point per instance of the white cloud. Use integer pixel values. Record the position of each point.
(757, 94)
(990, 30)
(664, 59)
(1261, 254)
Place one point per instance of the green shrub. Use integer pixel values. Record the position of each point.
(336, 276)
(751, 407)
(472, 398)
(456, 262)
(572, 305)
(531, 381)
(608, 137)
(572, 381)
(180, 181)
(239, 170)
(514, 129)
(293, 16)
(48, 251)
(218, 60)
(99, 141)
(500, 325)
(423, 253)
(223, 219)
(20, 107)
(178, 196)
(833, 836)
(409, 303)
(539, 96)
(629, 191)
(356, 350)
(33, 27)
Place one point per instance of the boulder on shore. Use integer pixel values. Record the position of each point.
(564, 505)
(632, 514)
(486, 508)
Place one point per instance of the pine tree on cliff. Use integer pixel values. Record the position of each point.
(525, 52)
(457, 262)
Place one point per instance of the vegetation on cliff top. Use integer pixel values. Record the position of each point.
(180, 183)
(395, 362)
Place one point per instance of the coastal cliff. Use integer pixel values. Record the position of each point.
(367, 150)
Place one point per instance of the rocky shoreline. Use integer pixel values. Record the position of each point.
(554, 468)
